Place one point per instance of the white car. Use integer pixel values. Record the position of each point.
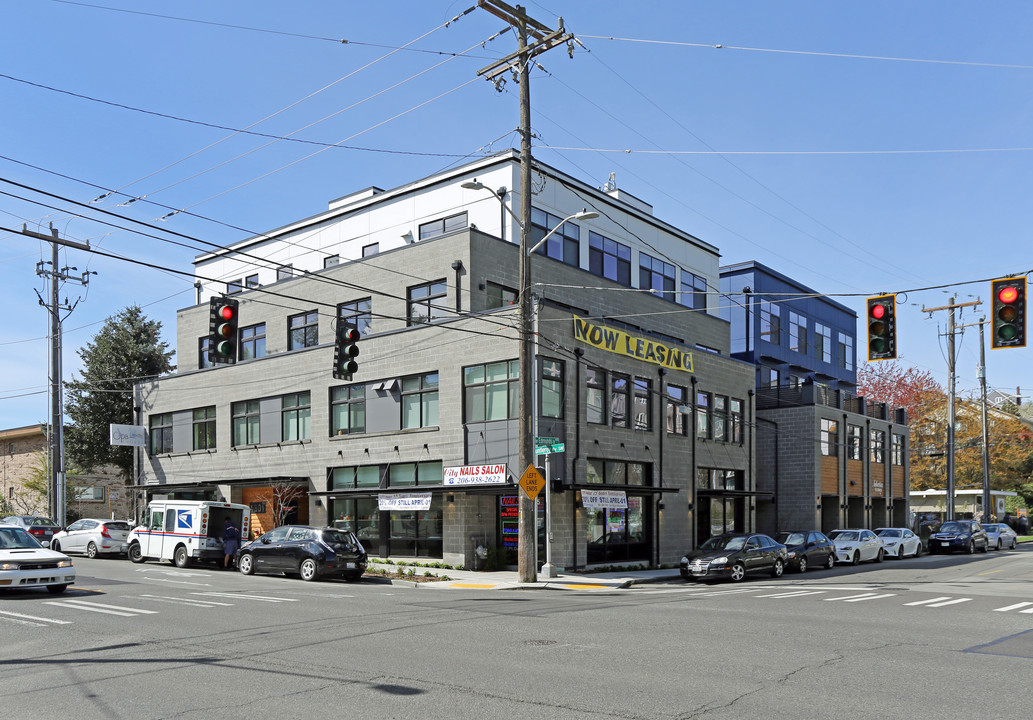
(24, 563)
(1000, 536)
(93, 537)
(854, 546)
(900, 542)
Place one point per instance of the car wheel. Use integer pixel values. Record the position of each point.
(246, 564)
(180, 557)
(986, 547)
(1012, 544)
(91, 550)
(802, 566)
(56, 589)
(831, 561)
(353, 577)
(738, 572)
(881, 556)
(998, 547)
(307, 569)
(55, 546)
(135, 553)
(778, 568)
(900, 552)
(918, 550)
(970, 548)
(856, 559)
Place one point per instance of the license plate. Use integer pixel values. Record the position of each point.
(350, 566)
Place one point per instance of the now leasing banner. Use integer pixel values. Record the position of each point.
(474, 475)
(621, 343)
(407, 501)
(604, 498)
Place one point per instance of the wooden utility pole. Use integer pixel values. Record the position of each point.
(520, 63)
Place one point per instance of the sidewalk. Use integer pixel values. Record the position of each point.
(509, 580)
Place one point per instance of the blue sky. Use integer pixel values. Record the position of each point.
(861, 148)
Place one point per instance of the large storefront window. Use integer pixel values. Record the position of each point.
(617, 535)
(722, 507)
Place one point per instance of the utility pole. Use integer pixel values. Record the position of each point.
(951, 371)
(519, 63)
(986, 432)
(56, 436)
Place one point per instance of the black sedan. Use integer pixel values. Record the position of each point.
(309, 552)
(733, 556)
(966, 535)
(807, 548)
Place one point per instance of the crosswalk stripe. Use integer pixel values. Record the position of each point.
(951, 602)
(247, 597)
(181, 601)
(33, 617)
(1016, 607)
(103, 608)
(96, 610)
(848, 597)
(874, 597)
(930, 600)
(797, 593)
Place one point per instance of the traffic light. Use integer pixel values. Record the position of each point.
(882, 327)
(1009, 308)
(222, 330)
(345, 351)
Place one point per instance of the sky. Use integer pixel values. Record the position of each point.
(859, 148)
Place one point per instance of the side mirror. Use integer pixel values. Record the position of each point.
(265, 541)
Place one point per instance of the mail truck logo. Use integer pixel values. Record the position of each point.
(184, 519)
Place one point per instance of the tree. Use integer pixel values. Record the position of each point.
(891, 383)
(127, 349)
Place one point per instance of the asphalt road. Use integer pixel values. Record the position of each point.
(937, 636)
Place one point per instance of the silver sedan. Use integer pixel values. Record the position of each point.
(999, 535)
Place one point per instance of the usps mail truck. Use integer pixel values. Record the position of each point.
(185, 530)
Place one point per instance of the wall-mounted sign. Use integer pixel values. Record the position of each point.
(509, 520)
(133, 435)
(406, 501)
(474, 475)
(621, 343)
(604, 498)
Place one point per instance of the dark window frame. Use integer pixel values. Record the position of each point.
(609, 259)
(352, 399)
(423, 296)
(203, 428)
(251, 341)
(304, 327)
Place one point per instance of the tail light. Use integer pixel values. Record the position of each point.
(104, 532)
(37, 531)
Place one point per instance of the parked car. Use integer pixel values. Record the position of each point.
(93, 537)
(310, 552)
(25, 563)
(900, 542)
(855, 546)
(954, 535)
(807, 548)
(40, 527)
(734, 556)
(1000, 536)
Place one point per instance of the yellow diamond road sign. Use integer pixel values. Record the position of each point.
(532, 481)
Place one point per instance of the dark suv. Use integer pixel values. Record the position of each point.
(733, 556)
(954, 535)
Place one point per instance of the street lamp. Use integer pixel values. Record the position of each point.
(528, 382)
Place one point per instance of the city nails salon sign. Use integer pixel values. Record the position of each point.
(621, 343)
(474, 475)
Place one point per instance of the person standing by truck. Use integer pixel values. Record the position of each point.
(230, 541)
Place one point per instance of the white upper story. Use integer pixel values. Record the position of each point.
(617, 244)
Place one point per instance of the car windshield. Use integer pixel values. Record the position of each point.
(845, 535)
(340, 540)
(39, 521)
(722, 542)
(790, 538)
(887, 532)
(117, 525)
(953, 527)
(14, 538)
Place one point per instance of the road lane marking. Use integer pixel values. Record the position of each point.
(102, 608)
(28, 619)
(1016, 606)
(261, 598)
(859, 598)
(930, 600)
(951, 602)
(184, 601)
(796, 593)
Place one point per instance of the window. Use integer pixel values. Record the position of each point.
(331, 260)
(348, 410)
(877, 446)
(161, 433)
(204, 428)
(563, 245)
(770, 377)
(702, 415)
(358, 314)
(426, 302)
(643, 404)
(853, 442)
(251, 281)
(676, 402)
(252, 342)
(492, 391)
(609, 259)
(296, 416)
(693, 291)
(285, 272)
(770, 323)
(656, 276)
(234, 286)
(823, 342)
(846, 352)
(797, 333)
(356, 477)
(420, 401)
(829, 438)
(552, 389)
(435, 228)
(735, 412)
(897, 449)
(610, 472)
(619, 400)
(370, 250)
(303, 330)
(246, 427)
(720, 417)
(203, 345)
(595, 395)
(500, 296)
(89, 494)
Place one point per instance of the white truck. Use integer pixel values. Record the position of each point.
(185, 530)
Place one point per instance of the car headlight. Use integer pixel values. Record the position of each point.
(67, 562)
(792, 553)
(720, 561)
(9, 566)
(684, 561)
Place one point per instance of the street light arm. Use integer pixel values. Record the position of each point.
(474, 185)
(584, 214)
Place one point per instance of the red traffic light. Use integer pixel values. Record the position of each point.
(227, 312)
(1008, 294)
(878, 311)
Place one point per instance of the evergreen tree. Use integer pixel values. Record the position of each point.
(127, 349)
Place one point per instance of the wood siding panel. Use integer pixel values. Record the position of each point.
(855, 474)
(829, 475)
